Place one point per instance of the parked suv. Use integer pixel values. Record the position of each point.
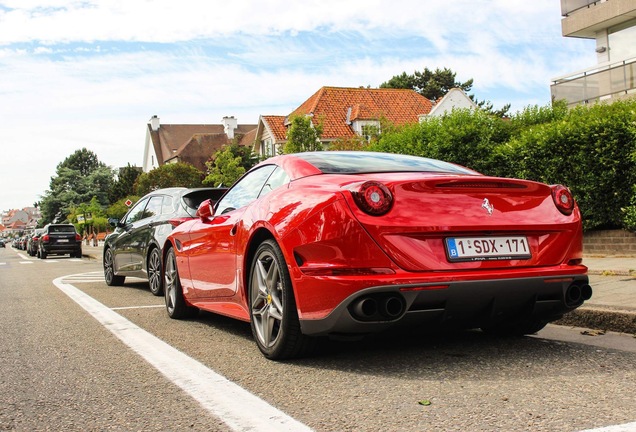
(59, 239)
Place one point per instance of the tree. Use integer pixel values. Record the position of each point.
(80, 177)
(433, 85)
(303, 135)
(228, 164)
(125, 183)
(170, 175)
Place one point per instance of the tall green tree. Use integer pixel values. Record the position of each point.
(78, 179)
(228, 164)
(124, 185)
(178, 174)
(303, 135)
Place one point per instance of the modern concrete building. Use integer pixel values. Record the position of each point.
(612, 23)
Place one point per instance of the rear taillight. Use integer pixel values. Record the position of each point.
(78, 237)
(373, 198)
(177, 221)
(563, 199)
(45, 238)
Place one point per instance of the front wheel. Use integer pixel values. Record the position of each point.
(273, 314)
(109, 270)
(175, 302)
(154, 272)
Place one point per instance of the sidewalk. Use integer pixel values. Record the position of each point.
(611, 308)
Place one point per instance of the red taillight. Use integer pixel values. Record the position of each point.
(45, 238)
(78, 237)
(563, 199)
(177, 221)
(373, 198)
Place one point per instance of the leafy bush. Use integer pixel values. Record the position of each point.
(591, 149)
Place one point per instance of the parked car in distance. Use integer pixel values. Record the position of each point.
(2, 243)
(32, 242)
(59, 239)
(134, 247)
(331, 243)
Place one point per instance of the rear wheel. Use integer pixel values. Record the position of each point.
(42, 254)
(155, 278)
(175, 302)
(273, 314)
(109, 270)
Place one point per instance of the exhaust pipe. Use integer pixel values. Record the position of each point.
(365, 307)
(577, 294)
(392, 307)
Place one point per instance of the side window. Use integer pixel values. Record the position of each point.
(136, 213)
(154, 207)
(278, 178)
(245, 191)
(167, 206)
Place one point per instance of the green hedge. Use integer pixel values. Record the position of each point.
(591, 149)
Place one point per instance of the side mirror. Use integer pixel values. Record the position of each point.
(114, 222)
(205, 209)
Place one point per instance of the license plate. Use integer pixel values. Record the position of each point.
(62, 240)
(487, 248)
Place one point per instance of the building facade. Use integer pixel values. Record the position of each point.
(612, 24)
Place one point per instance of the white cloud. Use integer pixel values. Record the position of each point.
(91, 73)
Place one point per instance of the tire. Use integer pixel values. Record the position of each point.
(273, 314)
(176, 305)
(520, 328)
(109, 270)
(42, 254)
(155, 278)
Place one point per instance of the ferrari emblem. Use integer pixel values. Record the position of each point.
(487, 206)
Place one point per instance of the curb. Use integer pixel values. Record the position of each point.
(619, 321)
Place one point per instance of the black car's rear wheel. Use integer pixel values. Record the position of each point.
(155, 278)
(175, 302)
(109, 270)
(273, 313)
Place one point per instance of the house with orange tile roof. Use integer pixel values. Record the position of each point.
(344, 113)
(191, 143)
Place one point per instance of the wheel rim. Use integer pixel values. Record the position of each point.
(108, 266)
(267, 299)
(170, 282)
(154, 271)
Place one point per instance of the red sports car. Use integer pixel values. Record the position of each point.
(328, 243)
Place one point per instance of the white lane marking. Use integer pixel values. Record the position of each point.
(26, 262)
(3, 263)
(51, 262)
(627, 427)
(236, 407)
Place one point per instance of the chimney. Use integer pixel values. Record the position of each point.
(229, 124)
(154, 123)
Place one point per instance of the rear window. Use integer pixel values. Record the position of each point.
(61, 229)
(333, 162)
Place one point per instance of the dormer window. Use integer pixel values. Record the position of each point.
(366, 128)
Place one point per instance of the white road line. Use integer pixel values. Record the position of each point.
(26, 262)
(3, 263)
(235, 406)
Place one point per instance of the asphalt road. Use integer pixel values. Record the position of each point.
(63, 369)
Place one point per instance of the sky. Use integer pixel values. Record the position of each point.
(91, 73)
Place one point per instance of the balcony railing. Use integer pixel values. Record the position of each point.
(600, 82)
(569, 6)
